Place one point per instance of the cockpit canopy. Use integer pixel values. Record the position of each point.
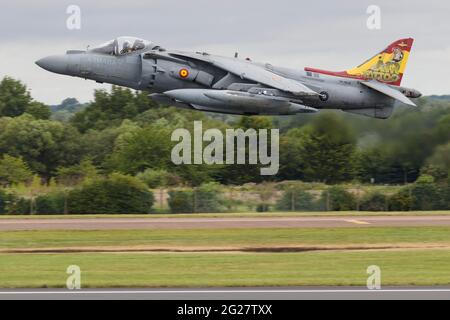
(123, 46)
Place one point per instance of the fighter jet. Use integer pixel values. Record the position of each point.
(230, 85)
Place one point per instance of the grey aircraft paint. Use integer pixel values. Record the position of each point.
(229, 85)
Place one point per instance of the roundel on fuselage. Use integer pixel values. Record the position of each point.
(324, 96)
(184, 73)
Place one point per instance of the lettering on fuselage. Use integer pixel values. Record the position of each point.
(345, 83)
(105, 61)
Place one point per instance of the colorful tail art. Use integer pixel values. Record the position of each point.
(388, 66)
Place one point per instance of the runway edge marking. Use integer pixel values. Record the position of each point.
(358, 222)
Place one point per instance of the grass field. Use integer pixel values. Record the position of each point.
(234, 215)
(242, 238)
(243, 269)
(423, 259)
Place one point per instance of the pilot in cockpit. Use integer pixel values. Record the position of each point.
(126, 48)
(123, 46)
(138, 45)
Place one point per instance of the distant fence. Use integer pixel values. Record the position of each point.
(255, 198)
(414, 197)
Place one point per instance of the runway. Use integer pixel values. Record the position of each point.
(220, 223)
(234, 294)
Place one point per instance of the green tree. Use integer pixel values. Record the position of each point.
(43, 144)
(147, 148)
(14, 98)
(401, 201)
(245, 173)
(255, 123)
(39, 110)
(51, 204)
(438, 165)
(329, 150)
(375, 202)
(158, 178)
(292, 164)
(426, 194)
(100, 145)
(111, 108)
(117, 194)
(443, 129)
(17, 205)
(13, 171)
(373, 165)
(74, 175)
(3, 201)
(204, 199)
(337, 198)
(402, 144)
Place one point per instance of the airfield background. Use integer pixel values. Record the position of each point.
(64, 158)
(106, 157)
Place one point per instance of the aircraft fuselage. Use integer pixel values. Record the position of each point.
(194, 83)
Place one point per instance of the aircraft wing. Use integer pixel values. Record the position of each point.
(248, 70)
(387, 90)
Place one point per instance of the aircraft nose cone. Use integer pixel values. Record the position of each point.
(56, 64)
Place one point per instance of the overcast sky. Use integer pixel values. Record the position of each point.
(295, 33)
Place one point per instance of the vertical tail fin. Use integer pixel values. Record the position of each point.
(388, 66)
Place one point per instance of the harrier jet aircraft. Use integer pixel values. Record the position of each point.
(207, 82)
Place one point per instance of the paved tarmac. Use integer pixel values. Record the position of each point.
(220, 223)
(234, 294)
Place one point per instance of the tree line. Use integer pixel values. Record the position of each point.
(124, 132)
